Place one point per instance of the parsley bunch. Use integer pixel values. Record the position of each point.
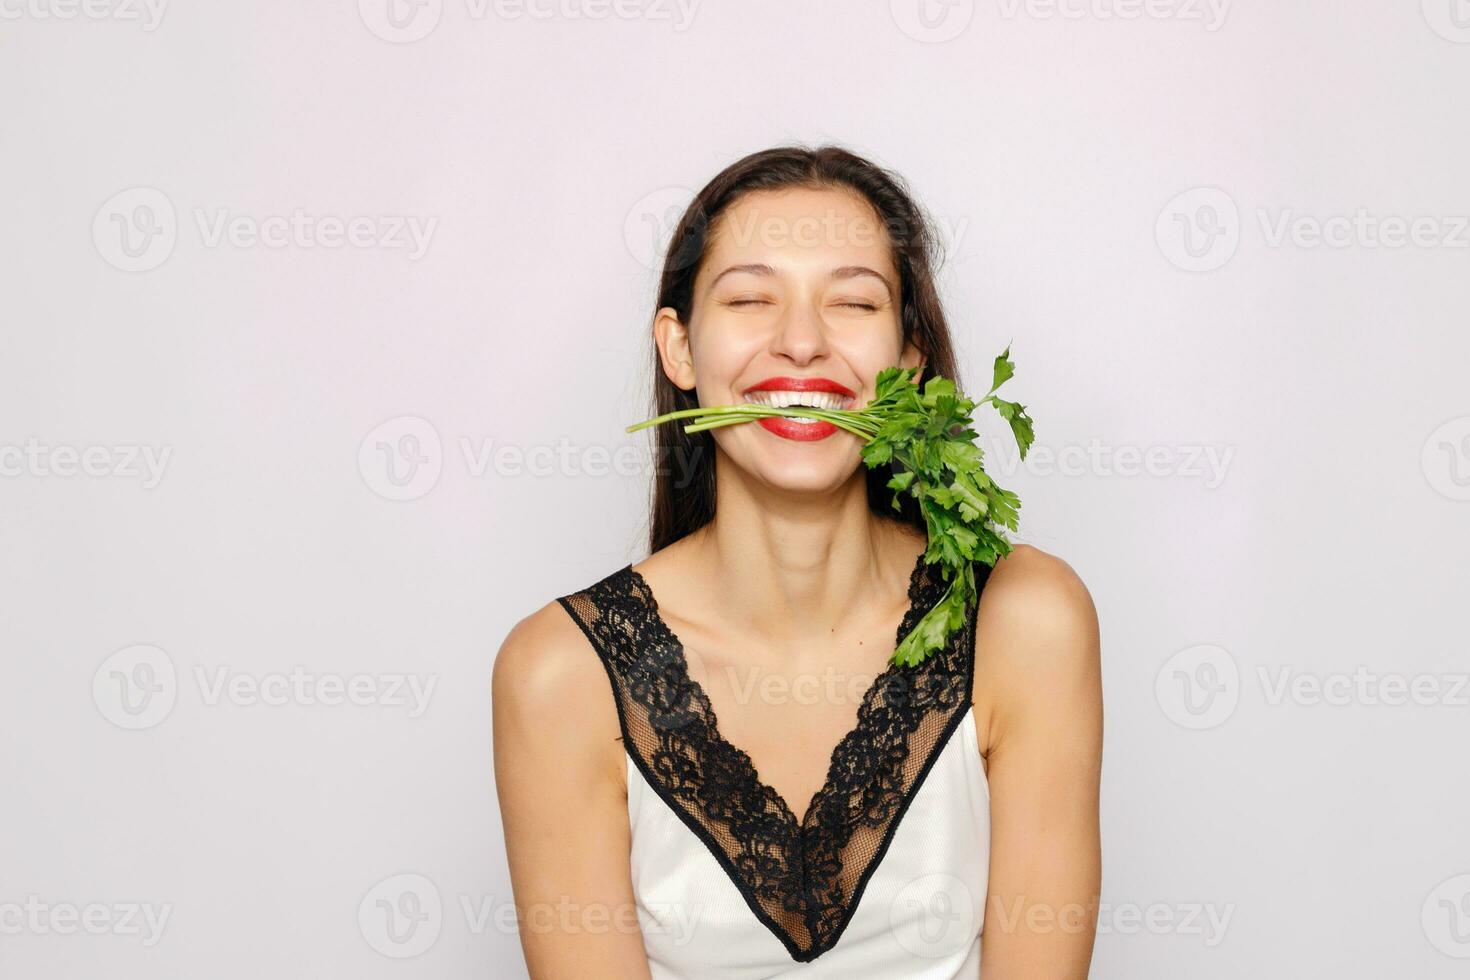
(925, 436)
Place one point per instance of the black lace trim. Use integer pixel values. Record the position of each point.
(802, 879)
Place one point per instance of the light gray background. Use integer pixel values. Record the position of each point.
(1111, 180)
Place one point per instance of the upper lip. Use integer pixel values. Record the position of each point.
(787, 383)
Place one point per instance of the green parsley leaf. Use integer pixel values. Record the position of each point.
(927, 437)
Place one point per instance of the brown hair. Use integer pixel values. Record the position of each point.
(683, 507)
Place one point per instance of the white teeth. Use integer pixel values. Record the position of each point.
(808, 399)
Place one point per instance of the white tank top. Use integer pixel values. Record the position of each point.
(885, 875)
(919, 918)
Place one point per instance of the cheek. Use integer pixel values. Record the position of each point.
(720, 352)
(870, 353)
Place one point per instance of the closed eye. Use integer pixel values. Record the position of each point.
(868, 307)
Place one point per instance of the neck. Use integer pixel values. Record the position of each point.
(790, 566)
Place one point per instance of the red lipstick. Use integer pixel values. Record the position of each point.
(786, 383)
(790, 428)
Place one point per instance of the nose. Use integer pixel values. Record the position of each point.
(800, 334)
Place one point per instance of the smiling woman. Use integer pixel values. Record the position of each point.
(732, 777)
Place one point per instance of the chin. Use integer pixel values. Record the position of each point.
(810, 477)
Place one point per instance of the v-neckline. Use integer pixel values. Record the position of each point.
(798, 828)
(802, 880)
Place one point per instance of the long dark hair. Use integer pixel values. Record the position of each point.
(684, 482)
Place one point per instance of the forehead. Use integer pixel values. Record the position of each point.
(799, 229)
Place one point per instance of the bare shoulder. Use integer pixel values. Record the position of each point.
(549, 686)
(546, 661)
(1037, 649)
(1032, 591)
(561, 781)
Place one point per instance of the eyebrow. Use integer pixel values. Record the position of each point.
(841, 272)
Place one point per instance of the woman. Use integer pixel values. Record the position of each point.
(707, 767)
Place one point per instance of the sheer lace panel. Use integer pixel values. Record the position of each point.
(802, 879)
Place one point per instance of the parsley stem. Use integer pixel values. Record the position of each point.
(858, 423)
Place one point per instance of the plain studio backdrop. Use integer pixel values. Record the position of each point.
(322, 323)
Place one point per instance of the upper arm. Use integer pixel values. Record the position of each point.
(561, 784)
(1038, 676)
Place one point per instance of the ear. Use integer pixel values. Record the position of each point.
(912, 357)
(675, 353)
